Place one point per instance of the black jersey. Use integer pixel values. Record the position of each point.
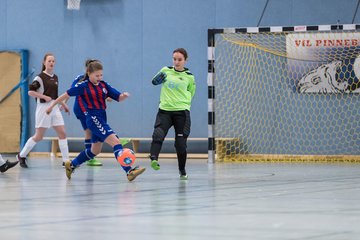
(46, 84)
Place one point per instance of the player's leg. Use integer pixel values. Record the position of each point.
(63, 143)
(113, 141)
(42, 123)
(84, 156)
(87, 142)
(162, 125)
(6, 165)
(2, 161)
(182, 130)
(29, 145)
(57, 122)
(94, 161)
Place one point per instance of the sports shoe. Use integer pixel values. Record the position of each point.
(22, 161)
(155, 165)
(124, 141)
(7, 165)
(69, 168)
(133, 173)
(183, 175)
(93, 162)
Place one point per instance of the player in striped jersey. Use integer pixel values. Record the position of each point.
(79, 113)
(94, 91)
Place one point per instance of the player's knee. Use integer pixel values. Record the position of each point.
(37, 138)
(180, 143)
(158, 135)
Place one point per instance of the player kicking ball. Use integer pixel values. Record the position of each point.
(94, 92)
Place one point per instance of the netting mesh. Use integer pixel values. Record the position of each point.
(73, 4)
(282, 95)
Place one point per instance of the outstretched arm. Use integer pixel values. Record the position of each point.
(123, 96)
(159, 78)
(60, 100)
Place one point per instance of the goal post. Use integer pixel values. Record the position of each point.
(284, 93)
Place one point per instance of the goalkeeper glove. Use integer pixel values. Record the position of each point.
(159, 78)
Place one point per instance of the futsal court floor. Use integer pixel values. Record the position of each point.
(222, 201)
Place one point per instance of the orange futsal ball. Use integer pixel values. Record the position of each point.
(126, 157)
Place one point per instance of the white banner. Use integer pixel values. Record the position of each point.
(332, 61)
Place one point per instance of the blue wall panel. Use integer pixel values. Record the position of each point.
(135, 38)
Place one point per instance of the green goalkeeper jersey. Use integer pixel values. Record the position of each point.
(178, 90)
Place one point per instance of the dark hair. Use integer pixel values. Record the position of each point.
(42, 64)
(87, 63)
(94, 66)
(182, 51)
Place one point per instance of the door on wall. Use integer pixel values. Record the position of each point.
(11, 72)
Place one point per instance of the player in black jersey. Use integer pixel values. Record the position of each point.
(44, 89)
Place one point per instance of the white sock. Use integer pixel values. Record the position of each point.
(64, 149)
(2, 161)
(28, 147)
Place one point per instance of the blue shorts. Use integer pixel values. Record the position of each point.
(100, 130)
(80, 115)
(82, 119)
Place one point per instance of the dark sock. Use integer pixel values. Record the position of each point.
(83, 157)
(87, 143)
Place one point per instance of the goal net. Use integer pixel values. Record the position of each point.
(285, 95)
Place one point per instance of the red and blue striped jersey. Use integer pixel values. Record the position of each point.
(93, 97)
(78, 108)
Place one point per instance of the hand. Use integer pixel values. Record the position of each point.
(47, 98)
(65, 107)
(159, 78)
(48, 110)
(124, 96)
(109, 99)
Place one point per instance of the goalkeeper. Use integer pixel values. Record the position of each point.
(177, 90)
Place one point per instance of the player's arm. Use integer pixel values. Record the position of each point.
(123, 96)
(115, 94)
(33, 87)
(192, 87)
(60, 100)
(64, 105)
(159, 78)
(74, 91)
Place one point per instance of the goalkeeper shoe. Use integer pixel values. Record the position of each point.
(134, 172)
(124, 141)
(183, 175)
(93, 162)
(155, 165)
